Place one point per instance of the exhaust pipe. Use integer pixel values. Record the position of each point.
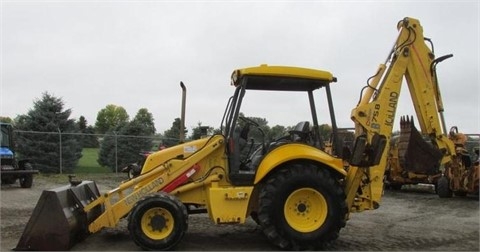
(182, 118)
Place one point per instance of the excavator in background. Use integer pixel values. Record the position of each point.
(403, 170)
(460, 179)
(299, 194)
(405, 166)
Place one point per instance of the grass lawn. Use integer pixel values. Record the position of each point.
(88, 163)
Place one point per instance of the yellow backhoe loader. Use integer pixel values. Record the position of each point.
(300, 195)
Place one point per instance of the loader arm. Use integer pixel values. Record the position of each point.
(165, 177)
(410, 59)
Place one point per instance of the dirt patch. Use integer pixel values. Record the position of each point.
(411, 219)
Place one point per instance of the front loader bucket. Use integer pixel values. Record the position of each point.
(414, 153)
(58, 220)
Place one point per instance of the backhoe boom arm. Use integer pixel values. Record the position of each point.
(410, 59)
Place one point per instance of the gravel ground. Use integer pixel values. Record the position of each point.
(413, 219)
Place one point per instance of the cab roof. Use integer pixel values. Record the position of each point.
(282, 78)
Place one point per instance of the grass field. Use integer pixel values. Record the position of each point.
(88, 163)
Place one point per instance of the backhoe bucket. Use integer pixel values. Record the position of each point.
(58, 220)
(414, 153)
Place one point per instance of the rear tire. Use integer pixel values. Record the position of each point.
(302, 207)
(158, 222)
(443, 188)
(26, 181)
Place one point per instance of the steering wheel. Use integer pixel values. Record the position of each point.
(249, 121)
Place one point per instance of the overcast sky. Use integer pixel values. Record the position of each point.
(135, 53)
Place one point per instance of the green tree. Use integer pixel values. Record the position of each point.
(172, 135)
(145, 120)
(110, 117)
(49, 117)
(108, 150)
(275, 132)
(124, 145)
(82, 123)
(325, 131)
(6, 119)
(88, 137)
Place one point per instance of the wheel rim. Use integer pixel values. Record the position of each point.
(305, 210)
(157, 223)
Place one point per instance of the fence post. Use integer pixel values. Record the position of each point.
(116, 153)
(60, 137)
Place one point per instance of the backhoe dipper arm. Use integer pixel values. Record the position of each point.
(374, 116)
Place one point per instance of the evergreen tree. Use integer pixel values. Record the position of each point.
(172, 135)
(129, 141)
(145, 120)
(82, 123)
(108, 148)
(88, 137)
(48, 116)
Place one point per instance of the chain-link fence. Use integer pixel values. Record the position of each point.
(59, 147)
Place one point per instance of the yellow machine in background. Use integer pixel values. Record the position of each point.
(297, 192)
(407, 165)
(463, 178)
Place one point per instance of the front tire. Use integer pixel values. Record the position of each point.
(158, 222)
(302, 207)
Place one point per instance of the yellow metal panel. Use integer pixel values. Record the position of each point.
(228, 204)
(197, 192)
(290, 152)
(286, 71)
(184, 150)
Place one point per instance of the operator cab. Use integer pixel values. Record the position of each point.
(6, 148)
(247, 142)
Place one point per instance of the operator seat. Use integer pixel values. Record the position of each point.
(301, 132)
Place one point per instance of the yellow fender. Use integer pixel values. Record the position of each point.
(289, 152)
